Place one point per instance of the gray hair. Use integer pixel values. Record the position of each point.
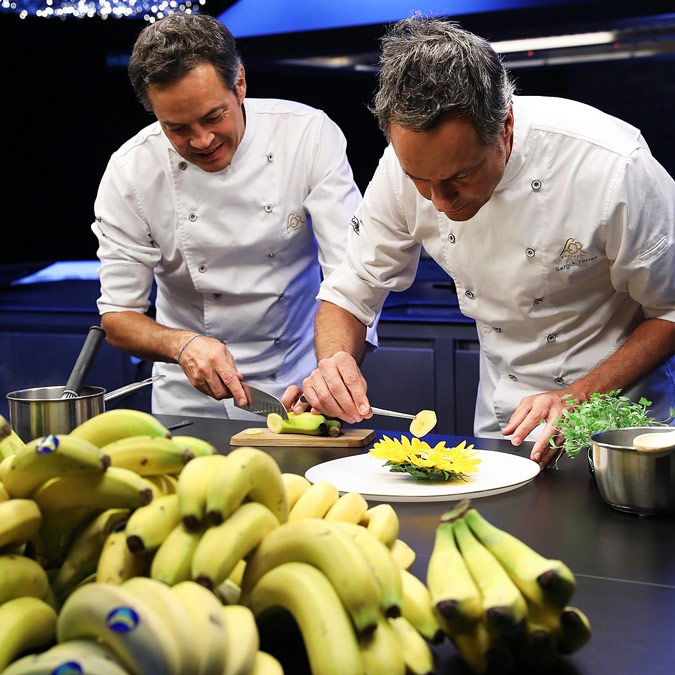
(431, 66)
(168, 49)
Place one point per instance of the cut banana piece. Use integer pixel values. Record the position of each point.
(424, 422)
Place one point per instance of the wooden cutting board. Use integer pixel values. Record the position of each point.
(349, 438)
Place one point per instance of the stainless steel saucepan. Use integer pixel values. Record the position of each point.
(42, 410)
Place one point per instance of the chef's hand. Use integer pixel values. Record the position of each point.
(291, 399)
(337, 389)
(209, 365)
(547, 406)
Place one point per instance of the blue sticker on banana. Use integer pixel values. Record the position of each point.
(122, 620)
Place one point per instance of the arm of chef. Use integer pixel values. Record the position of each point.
(381, 256)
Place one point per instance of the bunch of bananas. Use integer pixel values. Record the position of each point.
(504, 606)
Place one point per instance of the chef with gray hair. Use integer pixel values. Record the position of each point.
(553, 218)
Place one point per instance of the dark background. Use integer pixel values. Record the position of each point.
(67, 104)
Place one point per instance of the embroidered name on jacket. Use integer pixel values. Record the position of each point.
(293, 222)
(573, 251)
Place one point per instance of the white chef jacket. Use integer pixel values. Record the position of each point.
(236, 254)
(572, 251)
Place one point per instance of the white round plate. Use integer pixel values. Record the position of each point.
(497, 472)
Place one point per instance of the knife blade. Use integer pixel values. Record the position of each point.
(261, 403)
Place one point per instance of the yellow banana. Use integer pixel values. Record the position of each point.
(315, 501)
(58, 532)
(116, 562)
(417, 608)
(229, 593)
(27, 623)
(416, 653)
(541, 580)
(248, 473)
(266, 664)
(503, 605)
(20, 519)
(569, 626)
(151, 524)
(83, 554)
(50, 457)
(166, 484)
(148, 455)
(196, 446)
(5, 465)
(117, 488)
(193, 485)
(205, 613)
(382, 565)
(481, 652)
(172, 562)
(382, 521)
(535, 650)
(223, 546)
(242, 640)
(75, 656)
(325, 546)
(381, 651)
(295, 485)
(167, 605)
(403, 554)
(237, 574)
(350, 508)
(454, 593)
(114, 425)
(4, 495)
(127, 624)
(20, 577)
(307, 594)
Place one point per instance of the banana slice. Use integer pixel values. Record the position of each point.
(423, 423)
(254, 431)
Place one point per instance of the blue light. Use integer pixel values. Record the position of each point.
(148, 9)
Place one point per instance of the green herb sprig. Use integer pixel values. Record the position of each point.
(599, 413)
(422, 472)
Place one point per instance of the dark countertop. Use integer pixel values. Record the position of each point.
(624, 563)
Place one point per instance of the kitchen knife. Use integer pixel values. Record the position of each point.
(261, 403)
(376, 411)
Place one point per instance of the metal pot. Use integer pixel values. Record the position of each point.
(631, 481)
(40, 411)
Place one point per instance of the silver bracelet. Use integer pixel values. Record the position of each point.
(186, 343)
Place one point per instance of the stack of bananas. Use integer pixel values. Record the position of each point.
(504, 606)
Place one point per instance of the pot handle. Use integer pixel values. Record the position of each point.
(130, 388)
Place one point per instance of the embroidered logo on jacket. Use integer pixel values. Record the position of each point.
(572, 248)
(356, 224)
(293, 222)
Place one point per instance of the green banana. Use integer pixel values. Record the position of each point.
(328, 635)
(49, 457)
(503, 605)
(416, 653)
(148, 455)
(481, 652)
(193, 486)
(116, 562)
(83, 554)
(329, 549)
(20, 519)
(113, 425)
(205, 613)
(27, 623)
(127, 624)
(248, 473)
(540, 580)
(454, 593)
(196, 446)
(151, 524)
(117, 488)
(21, 577)
(223, 546)
(381, 651)
(242, 640)
(569, 626)
(301, 423)
(417, 608)
(172, 563)
(382, 564)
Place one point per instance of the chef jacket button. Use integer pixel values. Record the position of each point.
(469, 294)
(270, 156)
(192, 217)
(496, 329)
(202, 268)
(559, 380)
(538, 301)
(513, 377)
(271, 255)
(217, 296)
(182, 166)
(550, 337)
(529, 252)
(535, 184)
(277, 340)
(452, 238)
(268, 208)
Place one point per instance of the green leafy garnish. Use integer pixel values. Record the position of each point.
(599, 413)
(422, 472)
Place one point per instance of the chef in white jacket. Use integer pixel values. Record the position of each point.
(235, 207)
(554, 220)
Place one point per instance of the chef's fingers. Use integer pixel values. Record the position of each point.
(351, 377)
(291, 399)
(518, 416)
(542, 452)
